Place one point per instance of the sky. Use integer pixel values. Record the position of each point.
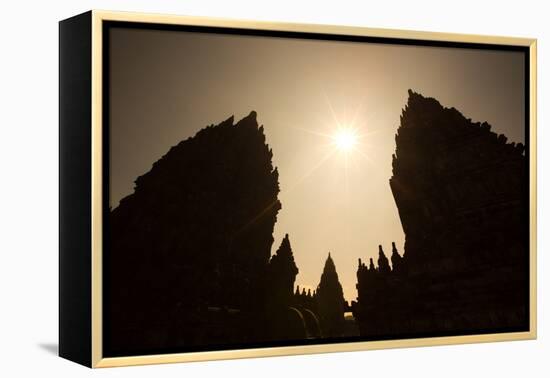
(167, 85)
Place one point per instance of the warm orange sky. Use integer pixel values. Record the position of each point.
(167, 85)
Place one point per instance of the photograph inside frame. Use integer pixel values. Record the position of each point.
(276, 190)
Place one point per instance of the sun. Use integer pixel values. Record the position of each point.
(345, 139)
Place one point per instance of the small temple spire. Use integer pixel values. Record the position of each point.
(371, 264)
(396, 258)
(383, 262)
(330, 300)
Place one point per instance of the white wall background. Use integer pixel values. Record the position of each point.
(29, 174)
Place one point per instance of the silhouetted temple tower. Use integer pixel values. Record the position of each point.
(396, 258)
(383, 262)
(462, 196)
(190, 248)
(282, 274)
(330, 300)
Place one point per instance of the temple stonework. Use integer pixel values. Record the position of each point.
(189, 250)
(462, 197)
(189, 263)
(323, 309)
(330, 300)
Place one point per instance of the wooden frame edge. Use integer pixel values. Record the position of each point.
(533, 186)
(309, 349)
(310, 28)
(97, 197)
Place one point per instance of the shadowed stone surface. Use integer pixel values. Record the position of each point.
(190, 248)
(461, 193)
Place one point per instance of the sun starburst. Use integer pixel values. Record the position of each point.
(345, 139)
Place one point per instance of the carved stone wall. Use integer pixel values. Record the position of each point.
(462, 196)
(188, 251)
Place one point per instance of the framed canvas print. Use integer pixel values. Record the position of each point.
(237, 188)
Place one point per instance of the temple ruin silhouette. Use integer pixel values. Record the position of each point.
(189, 266)
(189, 262)
(461, 193)
(189, 249)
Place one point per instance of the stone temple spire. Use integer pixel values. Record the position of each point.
(396, 258)
(282, 272)
(383, 262)
(330, 300)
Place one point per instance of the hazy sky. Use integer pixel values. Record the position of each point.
(167, 85)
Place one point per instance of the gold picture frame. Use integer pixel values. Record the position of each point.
(76, 328)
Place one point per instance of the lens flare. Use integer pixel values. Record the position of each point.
(345, 140)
